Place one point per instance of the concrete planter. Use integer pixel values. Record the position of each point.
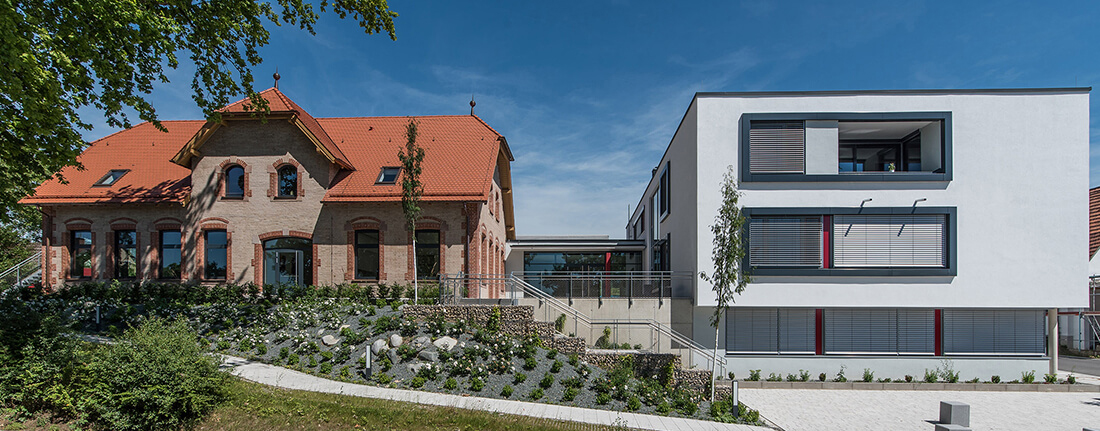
(875, 386)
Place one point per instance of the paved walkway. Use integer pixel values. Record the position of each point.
(290, 379)
(820, 410)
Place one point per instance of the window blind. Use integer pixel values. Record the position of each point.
(889, 241)
(797, 330)
(916, 331)
(785, 241)
(1020, 332)
(751, 330)
(860, 331)
(777, 147)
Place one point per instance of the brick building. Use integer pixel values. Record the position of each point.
(292, 199)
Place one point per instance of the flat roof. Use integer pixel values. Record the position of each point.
(893, 92)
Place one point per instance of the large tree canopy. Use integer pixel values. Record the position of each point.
(58, 56)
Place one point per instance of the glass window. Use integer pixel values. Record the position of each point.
(288, 260)
(427, 254)
(80, 250)
(366, 254)
(216, 254)
(234, 182)
(126, 258)
(112, 177)
(170, 254)
(288, 181)
(388, 175)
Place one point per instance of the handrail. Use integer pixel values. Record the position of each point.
(18, 271)
(14, 268)
(654, 325)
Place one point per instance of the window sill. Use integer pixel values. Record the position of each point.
(874, 177)
(853, 272)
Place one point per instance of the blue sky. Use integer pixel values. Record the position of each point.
(589, 93)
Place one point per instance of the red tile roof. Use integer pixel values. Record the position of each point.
(144, 151)
(461, 154)
(1094, 221)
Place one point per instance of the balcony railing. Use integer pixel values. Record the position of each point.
(609, 284)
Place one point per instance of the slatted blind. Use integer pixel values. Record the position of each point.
(916, 331)
(1018, 332)
(797, 330)
(889, 241)
(777, 147)
(751, 330)
(867, 330)
(785, 241)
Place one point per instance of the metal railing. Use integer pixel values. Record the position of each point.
(511, 289)
(18, 274)
(606, 284)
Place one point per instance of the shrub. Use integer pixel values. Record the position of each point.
(408, 329)
(492, 324)
(519, 378)
(821, 377)
(547, 381)
(1028, 377)
(908, 378)
(428, 372)
(603, 398)
(685, 405)
(506, 392)
(406, 352)
(929, 376)
(312, 362)
(556, 366)
(345, 371)
(774, 377)
(476, 384)
(732, 375)
(552, 353)
(625, 346)
(868, 375)
(803, 376)
(995, 379)
(326, 356)
(634, 404)
(722, 408)
(1070, 380)
(283, 353)
(754, 376)
(223, 345)
(326, 368)
(668, 375)
(559, 323)
(569, 395)
(537, 394)
(385, 363)
(530, 364)
(292, 359)
(156, 377)
(664, 408)
(574, 360)
(791, 377)
(416, 382)
(573, 382)
(261, 349)
(451, 384)
(1050, 378)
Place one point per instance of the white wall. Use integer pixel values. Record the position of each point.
(822, 151)
(1020, 185)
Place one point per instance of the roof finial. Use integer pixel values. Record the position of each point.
(472, 104)
(276, 76)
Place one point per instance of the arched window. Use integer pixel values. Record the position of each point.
(234, 181)
(288, 181)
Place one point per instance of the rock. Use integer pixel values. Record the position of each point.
(415, 368)
(392, 354)
(445, 343)
(378, 346)
(428, 355)
(395, 340)
(421, 341)
(329, 340)
(342, 328)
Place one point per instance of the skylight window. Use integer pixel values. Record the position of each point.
(388, 175)
(112, 177)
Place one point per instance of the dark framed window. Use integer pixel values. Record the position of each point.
(234, 182)
(80, 252)
(111, 177)
(126, 254)
(288, 181)
(388, 175)
(217, 254)
(170, 254)
(662, 192)
(427, 254)
(366, 255)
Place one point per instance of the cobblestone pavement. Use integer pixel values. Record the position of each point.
(820, 410)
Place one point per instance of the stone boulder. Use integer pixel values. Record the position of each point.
(415, 368)
(428, 355)
(445, 343)
(378, 346)
(396, 340)
(421, 342)
(329, 340)
(392, 354)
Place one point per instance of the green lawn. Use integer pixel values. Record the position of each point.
(253, 406)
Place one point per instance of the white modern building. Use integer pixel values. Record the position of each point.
(893, 230)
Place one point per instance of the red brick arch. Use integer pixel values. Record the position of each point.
(365, 223)
(273, 176)
(225, 164)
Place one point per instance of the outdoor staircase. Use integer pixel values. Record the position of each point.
(516, 288)
(25, 273)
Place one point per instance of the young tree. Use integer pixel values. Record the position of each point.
(729, 277)
(57, 57)
(411, 190)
